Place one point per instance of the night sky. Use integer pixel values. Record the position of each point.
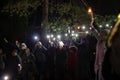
(104, 7)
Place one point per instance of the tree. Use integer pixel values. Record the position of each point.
(63, 15)
(20, 7)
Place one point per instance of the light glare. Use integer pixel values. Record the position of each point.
(86, 32)
(48, 36)
(35, 37)
(58, 36)
(6, 77)
(83, 27)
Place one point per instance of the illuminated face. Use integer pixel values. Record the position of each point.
(24, 46)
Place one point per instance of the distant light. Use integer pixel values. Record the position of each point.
(66, 34)
(89, 10)
(73, 31)
(86, 32)
(83, 27)
(59, 36)
(76, 35)
(48, 36)
(52, 35)
(78, 27)
(90, 28)
(6, 77)
(68, 31)
(61, 43)
(36, 37)
(72, 34)
(100, 26)
(54, 39)
(107, 25)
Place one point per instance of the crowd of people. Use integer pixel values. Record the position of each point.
(96, 57)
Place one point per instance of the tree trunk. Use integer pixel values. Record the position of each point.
(45, 15)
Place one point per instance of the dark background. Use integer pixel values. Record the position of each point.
(9, 25)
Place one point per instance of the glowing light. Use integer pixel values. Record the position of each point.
(59, 36)
(72, 34)
(86, 32)
(89, 10)
(54, 39)
(78, 27)
(36, 37)
(48, 36)
(83, 27)
(61, 43)
(107, 25)
(76, 35)
(66, 34)
(52, 35)
(90, 28)
(6, 78)
(73, 31)
(100, 26)
(68, 31)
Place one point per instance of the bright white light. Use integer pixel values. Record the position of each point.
(68, 31)
(54, 39)
(61, 43)
(107, 25)
(35, 37)
(86, 32)
(76, 35)
(73, 31)
(59, 36)
(48, 36)
(66, 34)
(6, 77)
(72, 34)
(90, 28)
(52, 35)
(100, 26)
(83, 27)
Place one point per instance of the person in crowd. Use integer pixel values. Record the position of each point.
(100, 52)
(92, 41)
(12, 64)
(40, 55)
(111, 62)
(101, 37)
(83, 59)
(60, 61)
(22, 50)
(51, 60)
(72, 62)
(29, 70)
(18, 45)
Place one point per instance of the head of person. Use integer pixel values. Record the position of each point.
(23, 46)
(73, 49)
(27, 51)
(38, 44)
(103, 35)
(14, 52)
(60, 44)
